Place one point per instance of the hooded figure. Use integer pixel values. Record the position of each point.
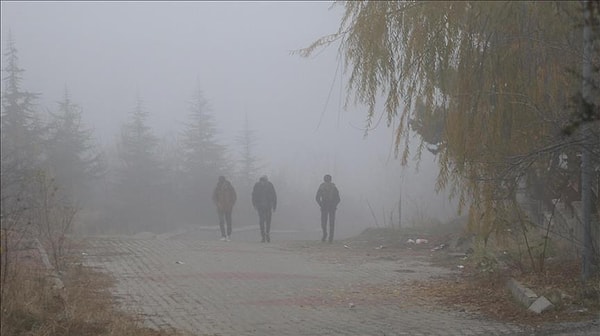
(224, 197)
(264, 200)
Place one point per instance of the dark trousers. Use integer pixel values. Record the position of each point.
(264, 221)
(327, 214)
(225, 217)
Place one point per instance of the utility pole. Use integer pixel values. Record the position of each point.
(586, 165)
(400, 210)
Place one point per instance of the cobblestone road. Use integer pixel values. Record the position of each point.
(244, 287)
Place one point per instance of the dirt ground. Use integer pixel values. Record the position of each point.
(484, 290)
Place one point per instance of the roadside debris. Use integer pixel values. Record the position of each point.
(380, 247)
(179, 262)
(417, 241)
(439, 247)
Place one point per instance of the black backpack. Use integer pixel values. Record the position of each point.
(328, 194)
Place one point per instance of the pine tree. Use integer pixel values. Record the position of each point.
(140, 175)
(21, 133)
(73, 159)
(249, 162)
(204, 158)
(138, 151)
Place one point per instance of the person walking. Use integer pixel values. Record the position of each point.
(264, 200)
(224, 197)
(328, 198)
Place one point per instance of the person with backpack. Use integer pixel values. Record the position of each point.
(328, 198)
(224, 197)
(264, 200)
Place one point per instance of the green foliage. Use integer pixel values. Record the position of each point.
(72, 157)
(203, 156)
(429, 124)
(21, 134)
(203, 159)
(140, 174)
(484, 258)
(138, 150)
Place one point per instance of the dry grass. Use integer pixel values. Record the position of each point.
(34, 306)
(487, 292)
(483, 290)
(490, 297)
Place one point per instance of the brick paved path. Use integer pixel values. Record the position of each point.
(283, 288)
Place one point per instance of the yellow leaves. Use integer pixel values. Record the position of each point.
(499, 72)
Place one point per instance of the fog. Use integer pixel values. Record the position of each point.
(239, 53)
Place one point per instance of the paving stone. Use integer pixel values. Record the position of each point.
(249, 288)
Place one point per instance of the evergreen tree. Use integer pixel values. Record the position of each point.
(249, 163)
(138, 151)
(203, 159)
(72, 159)
(139, 175)
(21, 133)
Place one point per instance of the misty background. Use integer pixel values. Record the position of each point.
(109, 56)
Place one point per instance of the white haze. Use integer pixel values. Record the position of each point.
(106, 53)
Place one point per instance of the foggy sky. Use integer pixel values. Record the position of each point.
(106, 53)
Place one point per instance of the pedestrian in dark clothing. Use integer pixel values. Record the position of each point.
(224, 197)
(264, 200)
(328, 198)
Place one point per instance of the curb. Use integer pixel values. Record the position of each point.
(528, 298)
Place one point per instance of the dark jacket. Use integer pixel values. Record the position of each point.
(224, 196)
(328, 196)
(264, 196)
